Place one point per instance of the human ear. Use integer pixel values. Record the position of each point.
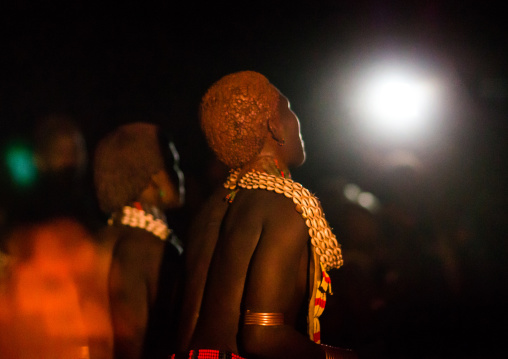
(276, 131)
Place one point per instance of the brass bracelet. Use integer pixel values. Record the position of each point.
(338, 353)
(268, 319)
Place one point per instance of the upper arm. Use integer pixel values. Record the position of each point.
(199, 250)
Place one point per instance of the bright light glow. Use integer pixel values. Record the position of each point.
(396, 102)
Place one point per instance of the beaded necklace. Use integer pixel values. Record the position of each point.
(322, 237)
(150, 219)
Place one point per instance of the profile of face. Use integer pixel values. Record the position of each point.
(294, 146)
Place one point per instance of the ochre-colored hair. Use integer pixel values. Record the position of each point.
(234, 115)
(124, 162)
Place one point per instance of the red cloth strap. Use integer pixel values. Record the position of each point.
(317, 337)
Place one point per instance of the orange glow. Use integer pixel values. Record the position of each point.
(53, 296)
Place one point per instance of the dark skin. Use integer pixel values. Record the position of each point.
(262, 257)
(257, 248)
(198, 255)
(132, 286)
(136, 263)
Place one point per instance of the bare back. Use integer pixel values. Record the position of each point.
(260, 262)
(143, 280)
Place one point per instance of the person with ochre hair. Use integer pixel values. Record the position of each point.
(137, 179)
(258, 253)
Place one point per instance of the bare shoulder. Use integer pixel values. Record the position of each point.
(278, 215)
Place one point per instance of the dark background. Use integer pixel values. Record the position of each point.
(110, 64)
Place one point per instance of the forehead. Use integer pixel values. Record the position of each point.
(283, 100)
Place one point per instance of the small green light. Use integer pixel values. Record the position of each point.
(20, 164)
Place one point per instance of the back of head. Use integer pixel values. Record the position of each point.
(234, 116)
(124, 162)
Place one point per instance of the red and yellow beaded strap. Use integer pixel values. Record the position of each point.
(317, 303)
(327, 251)
(207, 354)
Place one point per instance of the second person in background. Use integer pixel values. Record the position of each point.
(137, 179)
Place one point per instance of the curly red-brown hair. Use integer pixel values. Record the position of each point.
(234, 116)
(124, 162)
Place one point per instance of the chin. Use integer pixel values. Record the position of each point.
(303, 157)
(297, 162)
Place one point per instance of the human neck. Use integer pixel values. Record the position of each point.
(270, 165)
(148, 208)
